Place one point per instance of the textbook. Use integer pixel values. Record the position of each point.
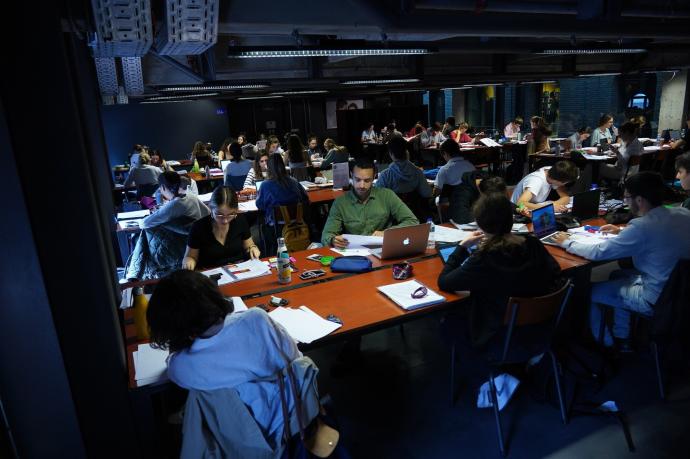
(401, 294)
(240, 271)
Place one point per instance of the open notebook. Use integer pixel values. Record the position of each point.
(401, 294)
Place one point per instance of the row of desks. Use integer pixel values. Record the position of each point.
(352, 297)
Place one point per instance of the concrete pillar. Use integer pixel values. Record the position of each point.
(674, 101)
(459, 96)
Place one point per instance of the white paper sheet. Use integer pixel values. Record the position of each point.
(401, 294)
(352, 252)
(356, 241)
(238, 304)
(150, 364)
(302, 324)
(133, 214)
(248, 206)
(444, 234)
(205, 197)
(489, 142)
(597, 157)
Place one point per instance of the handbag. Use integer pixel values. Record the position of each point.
(351, 264)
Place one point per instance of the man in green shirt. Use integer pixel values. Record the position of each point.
(364, 210)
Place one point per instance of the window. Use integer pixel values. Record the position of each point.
(639, 100)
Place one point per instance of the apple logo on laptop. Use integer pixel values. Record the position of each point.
(406, 241)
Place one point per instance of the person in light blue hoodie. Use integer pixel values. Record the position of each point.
(402, 176)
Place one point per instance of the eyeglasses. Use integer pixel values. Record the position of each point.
(421, 292)
(224, 217)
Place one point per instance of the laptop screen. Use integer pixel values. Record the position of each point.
(446, 251)
(258, 184)
(586, 204)
(224, 164)
(544, 221)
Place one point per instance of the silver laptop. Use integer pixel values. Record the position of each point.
(544, 224)
(401, 242)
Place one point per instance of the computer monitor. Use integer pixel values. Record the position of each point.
(586, 204)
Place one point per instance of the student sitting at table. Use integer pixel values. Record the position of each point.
(157, 160)
(223, 152)
(296, 155)
(201, 155)
(451, 172)
(336, 154)
(513, 128)
(655, 241)
(313, 150)
(187, 186)
(178, 207)
(460, 134)
(684, 142)
(630, 146)
(473, 185)
(448, 127)
(683, 174)
(237, 169)
(258, 172)
(365, 209)
(602, 131)
(273, 146)
(533, 190)
(503, 265)
(222, 237)
(369, 134)
(578, 138)
(402, 176)
(435, 137)
(143, 173)
(414, 130)
(391, 132)
(213, 348)
(538, 139)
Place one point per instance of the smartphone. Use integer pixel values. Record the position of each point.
(312, 274)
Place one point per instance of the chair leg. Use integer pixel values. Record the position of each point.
(659, 377)
(494, 404)
(559, 389)
(452, 375)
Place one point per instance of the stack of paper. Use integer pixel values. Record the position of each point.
(356, 241)
(150, 365)
(303, 324)
(352, 252)
(585, 237)
(205, 198)
(248, 206)
(240, 271)
(489, 142)
(444, 234)
(401, 294)
(215, 172)
(136, 214)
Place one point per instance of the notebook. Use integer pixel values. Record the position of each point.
(404, 241)
(544, 224)
(401, 294)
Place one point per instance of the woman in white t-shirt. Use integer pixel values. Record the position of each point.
(533, 190)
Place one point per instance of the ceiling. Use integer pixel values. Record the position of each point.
(469, 42)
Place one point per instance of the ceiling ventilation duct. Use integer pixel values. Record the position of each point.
(190, 27)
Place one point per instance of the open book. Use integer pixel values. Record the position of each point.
(401, 294)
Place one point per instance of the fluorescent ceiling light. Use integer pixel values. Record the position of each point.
(311, 52)
(483, 85)
(600, 74)
(539, 82)
(184, 96)
(259, 97)
(214, 87)
(407, 90)
(292, 93)
(164, 101)
(457, 88)
(663, 71)
(593, 51)
(402, 80)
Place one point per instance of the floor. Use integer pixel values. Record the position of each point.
(396, 405)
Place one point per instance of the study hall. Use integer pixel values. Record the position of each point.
(351, 229)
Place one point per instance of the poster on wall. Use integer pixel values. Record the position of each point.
(340, 104)
(550, 96)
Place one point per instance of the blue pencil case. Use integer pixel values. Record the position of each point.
(351, 264)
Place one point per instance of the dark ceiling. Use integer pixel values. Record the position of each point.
(475, 41)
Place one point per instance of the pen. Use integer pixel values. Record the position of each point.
(240, 271)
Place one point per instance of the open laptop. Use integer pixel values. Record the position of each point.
(586, 205)
(544, 224)
(401, 242)
(224, 163)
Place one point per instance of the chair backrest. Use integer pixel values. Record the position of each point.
(672, 309)
(416, 204)
(535, 311)
(237, 182)
(300, 174)
(295, 229)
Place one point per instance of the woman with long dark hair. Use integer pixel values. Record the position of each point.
(296, 153)
(522, 264)
(259, 171)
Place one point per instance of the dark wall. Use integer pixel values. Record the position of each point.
(172, 128)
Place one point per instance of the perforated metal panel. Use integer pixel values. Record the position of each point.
(122, 96)
(191, 27)
(107, 75)
(123, 28)
(131, 74)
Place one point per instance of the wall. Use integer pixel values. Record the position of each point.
(674, 101)
(172, 128)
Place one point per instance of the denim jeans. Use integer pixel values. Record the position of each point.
(623, 292)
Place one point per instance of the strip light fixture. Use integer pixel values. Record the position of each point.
(407, 90)
(293, 93)
(312, 52)
(259, 97)
(539, 82)
(593, 51)
(599, 74)
(215, 87)
(183, 96)
(457, 88)
(396, 81)
(165, 101)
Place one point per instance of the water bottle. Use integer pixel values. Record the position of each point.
(141, 304)
(283, 263)
(431, 242)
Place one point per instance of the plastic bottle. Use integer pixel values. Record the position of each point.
(283, 263)
(207, 171)
(141, 304)
(195, 167)
(431, 242)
